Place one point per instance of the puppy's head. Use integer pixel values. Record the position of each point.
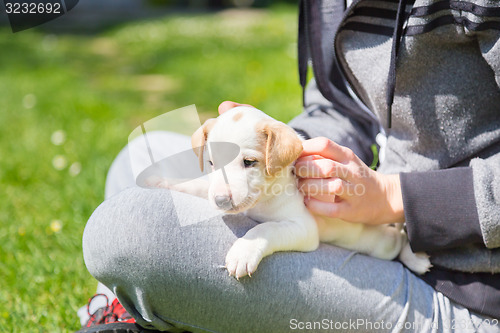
(267, 147)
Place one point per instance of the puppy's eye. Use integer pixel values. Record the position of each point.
(211, 163)
(249, 163)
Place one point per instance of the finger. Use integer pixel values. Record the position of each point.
(326, 186)
(323, 168)
(309, 158)
(228, 105)
(326, 148)
(329, 209)
(326, 198)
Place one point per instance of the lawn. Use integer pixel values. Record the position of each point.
(67, 106)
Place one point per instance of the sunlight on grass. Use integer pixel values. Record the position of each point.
(67, 106)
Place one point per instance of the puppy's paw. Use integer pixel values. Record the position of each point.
(420, 263)
(243, 258)
(417, 262)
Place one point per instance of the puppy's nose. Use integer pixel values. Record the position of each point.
(223, 202)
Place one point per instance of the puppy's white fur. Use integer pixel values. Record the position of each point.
(265, 189)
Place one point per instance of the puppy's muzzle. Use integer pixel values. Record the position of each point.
(224, 202)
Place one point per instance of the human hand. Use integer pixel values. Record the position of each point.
(228, 105)
(337, 184)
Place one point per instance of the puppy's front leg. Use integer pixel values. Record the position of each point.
(267, 238)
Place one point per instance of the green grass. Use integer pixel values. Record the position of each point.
(67, 106)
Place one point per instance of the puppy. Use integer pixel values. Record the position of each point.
(260, 182)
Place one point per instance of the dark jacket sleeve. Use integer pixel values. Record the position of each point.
(454, 207)
(440, 209)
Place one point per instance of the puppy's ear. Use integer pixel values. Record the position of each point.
(199, 138)
(283, 145)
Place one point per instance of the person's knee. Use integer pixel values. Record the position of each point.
(120, 229)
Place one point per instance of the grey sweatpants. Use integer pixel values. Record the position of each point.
(161, 254)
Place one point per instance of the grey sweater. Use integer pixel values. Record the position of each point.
(445, 134)
(446, 113)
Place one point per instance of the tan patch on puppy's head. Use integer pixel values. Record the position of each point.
(280, 144)
(199, 138)
(237, 116)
